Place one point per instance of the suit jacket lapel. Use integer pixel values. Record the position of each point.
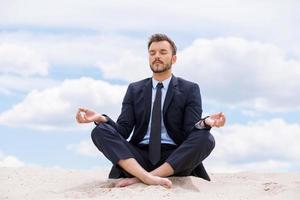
(148, 97)
(170, 93)
(145, 106)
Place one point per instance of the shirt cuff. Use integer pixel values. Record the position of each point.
(104, 122)
(201, 124)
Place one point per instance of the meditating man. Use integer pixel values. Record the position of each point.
(170, 137)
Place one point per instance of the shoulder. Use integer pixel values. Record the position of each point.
(139, 84)
(189, 89)
(181, 82)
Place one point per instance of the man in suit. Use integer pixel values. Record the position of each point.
(169, 136)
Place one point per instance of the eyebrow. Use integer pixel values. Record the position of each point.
(159, 50)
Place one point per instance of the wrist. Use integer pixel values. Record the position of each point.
(104, 119)
(100, 119)
(204, 122)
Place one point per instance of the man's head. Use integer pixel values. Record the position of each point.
(162, 53)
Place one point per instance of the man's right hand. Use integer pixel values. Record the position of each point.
(85, 115)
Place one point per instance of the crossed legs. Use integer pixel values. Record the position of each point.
(129, 159)
(140, 174)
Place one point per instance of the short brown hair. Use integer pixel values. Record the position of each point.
(158, 37)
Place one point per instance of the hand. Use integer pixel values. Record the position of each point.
(216, 120)
(85, 115)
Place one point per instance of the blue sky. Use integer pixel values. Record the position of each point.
(58, 55)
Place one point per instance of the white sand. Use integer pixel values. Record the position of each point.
(43, 183)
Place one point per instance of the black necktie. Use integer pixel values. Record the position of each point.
(155, 134)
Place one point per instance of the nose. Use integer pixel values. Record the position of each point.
(157, 55)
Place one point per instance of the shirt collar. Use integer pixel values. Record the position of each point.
(165, 83)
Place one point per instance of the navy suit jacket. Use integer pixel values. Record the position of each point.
(182, 109)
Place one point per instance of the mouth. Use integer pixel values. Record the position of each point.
(159, 62)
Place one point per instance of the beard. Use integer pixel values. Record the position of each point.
(160, 67)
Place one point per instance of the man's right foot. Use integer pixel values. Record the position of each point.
(150, 180)
(156, 180)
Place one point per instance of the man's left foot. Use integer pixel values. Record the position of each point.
(127, 181)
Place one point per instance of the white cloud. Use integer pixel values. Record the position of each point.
(242, 73)
(85, 147)
(9, 161)
(272, 21)
(263, 146)
(235, 71)
(107, 14)
(11, 83)
(21, 73)
(74, 50)
(21, 60)
(55, 108)
(128, 66)
(22, 67)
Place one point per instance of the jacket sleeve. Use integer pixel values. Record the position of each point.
(126, 120)
(193, 109)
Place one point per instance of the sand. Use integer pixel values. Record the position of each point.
(51, 183)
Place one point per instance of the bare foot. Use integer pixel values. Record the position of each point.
(150, 180)
(156, 180)
(127, 181)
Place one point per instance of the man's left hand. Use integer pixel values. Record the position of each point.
(216, 120)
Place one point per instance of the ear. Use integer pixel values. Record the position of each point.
(174, 58)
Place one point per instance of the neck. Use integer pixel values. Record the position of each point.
(162, 76)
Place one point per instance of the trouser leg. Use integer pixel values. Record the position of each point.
(198, 145)
(115, 148)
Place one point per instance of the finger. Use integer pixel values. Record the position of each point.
(81, 118)
(77, 116)
(214, 115)
(224, 119)
(218, 124)
(87, 119)
(220, 115)
(221, 123)
(214, 123)
(209, 121)
(83, 109)
(217, 115)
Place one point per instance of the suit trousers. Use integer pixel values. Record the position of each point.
(183, 158)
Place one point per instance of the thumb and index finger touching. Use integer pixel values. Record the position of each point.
(79, 117)
(81, 109)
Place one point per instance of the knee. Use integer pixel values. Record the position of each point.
(211, 141)
(205, 139)
(99, 131)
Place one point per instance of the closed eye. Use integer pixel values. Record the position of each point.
(164, 51)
